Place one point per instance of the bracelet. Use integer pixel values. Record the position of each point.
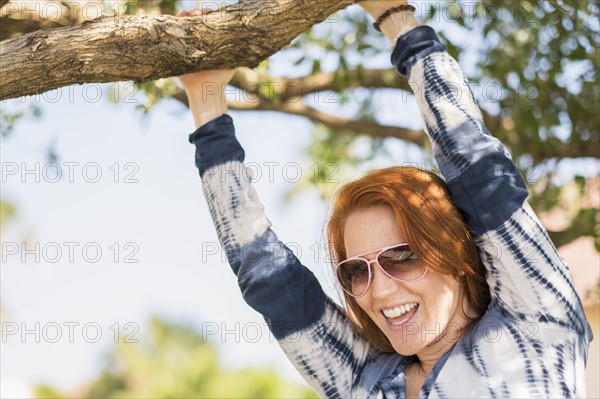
(383, 17)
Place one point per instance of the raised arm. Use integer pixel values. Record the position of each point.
(308, 325)
(527, 277)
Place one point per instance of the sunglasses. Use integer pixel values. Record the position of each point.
(397, 262)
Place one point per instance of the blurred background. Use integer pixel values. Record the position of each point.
(113, 283)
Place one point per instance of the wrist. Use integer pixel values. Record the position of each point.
(206, 107)
(398, 24)
(376, 8)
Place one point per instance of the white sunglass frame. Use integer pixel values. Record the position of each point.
(369, 262)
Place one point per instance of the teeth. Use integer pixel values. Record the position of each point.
(399, 311)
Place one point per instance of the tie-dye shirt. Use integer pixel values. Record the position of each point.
(533, 339)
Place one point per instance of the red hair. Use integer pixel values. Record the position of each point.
(426, 216)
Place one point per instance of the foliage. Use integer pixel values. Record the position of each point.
(154, 92)
(7, 212)
(532, 65)
(540, 56)
(572, 199)
(47, 392)
(533, 73)
(545, 57)
(8, 118)
(175, 361)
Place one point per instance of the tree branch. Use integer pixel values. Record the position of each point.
(299, 108)
(21, 17)
(285, 89)
(276, 94)
(147, 48)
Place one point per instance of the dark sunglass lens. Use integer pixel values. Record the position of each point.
(400, 262)
(396, 254)
(354, 276)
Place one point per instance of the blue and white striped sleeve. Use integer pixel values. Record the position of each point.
(309, 326)
(527, 277)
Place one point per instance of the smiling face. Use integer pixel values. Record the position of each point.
(416, 317)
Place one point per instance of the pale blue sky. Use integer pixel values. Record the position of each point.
(164, 214)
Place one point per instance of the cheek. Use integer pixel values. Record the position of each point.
(366, 305)
(363, 303)
(441, 294)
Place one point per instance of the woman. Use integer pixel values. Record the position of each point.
(452, 289)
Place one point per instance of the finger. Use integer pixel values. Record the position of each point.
(196, 12)
(191, 13)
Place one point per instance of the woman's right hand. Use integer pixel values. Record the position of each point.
(205, 89)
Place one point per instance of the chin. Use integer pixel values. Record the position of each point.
(408, 347)
(403, 351)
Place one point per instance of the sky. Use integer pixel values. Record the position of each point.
(117, 230)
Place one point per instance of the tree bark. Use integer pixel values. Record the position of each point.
(142, 48)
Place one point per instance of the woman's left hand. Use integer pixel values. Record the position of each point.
(213, 82)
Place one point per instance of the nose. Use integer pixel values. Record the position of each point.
(381, 284)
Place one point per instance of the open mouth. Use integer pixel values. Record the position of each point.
(401, 314)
